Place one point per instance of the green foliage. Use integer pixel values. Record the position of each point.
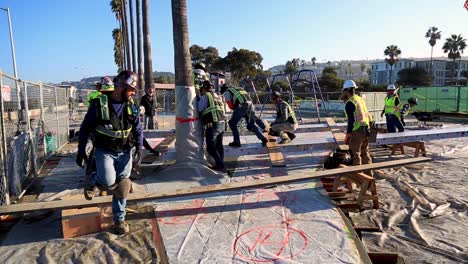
(330, 70)
(208, 55)
(393, 52)
(280, 86)
(164, 79)
(414, 77)
(433, 34)
(330, 82)
(454, 46)
(242, 63)
(117, 36)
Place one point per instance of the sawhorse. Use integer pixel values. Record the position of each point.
(418, 148)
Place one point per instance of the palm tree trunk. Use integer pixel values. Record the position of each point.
(132, 33)
(141, 83)
(390, 77)
(122, 44)
(147, 46)
(453, 70)
(126, 36)
(459, 70)
(432, 73)
(188, 131)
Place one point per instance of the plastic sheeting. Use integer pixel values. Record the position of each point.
(431, 233)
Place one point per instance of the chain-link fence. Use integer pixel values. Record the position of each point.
(34, 125)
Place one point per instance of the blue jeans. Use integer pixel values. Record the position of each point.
(245, 110)
(111, 167)
(393, 123)
(214, 143)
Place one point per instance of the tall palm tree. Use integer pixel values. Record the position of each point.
(118, 59)
(433, 34)
(188, 143)
(340, 68)
(454, 46)
(116, 7)
(349, 70)
(313, 60)
(132, 33)
(147, 46)
(126, 35)
(363, 68)
(140, 70)
(392, 52)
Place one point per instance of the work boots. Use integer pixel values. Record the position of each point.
(121, 228)
(291, 136)
(90, 191)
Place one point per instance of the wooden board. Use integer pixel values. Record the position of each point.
(135, 197)
(276, 157)
(337, 134)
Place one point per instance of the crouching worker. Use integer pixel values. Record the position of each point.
(211, 108)
(286, 122)
(113, 119)
(405, 108)
(240, 102)
(357, 133)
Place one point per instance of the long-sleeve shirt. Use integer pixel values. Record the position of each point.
(149, 103)
(89, 125)
(403, 112)
(283, 113)
(350, 108)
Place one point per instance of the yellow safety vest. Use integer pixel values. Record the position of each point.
(239, 95)
(361, 115)
(92, 96)
(390, 106)
(104, 115)
(214, 112)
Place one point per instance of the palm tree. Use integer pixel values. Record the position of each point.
(188, 134)
(349, 70)
(147, 46)
(116, 7)
(132, 33)
(126, 35)
(454, 46)
(392, 52)
(363, 68)
(433, 34)
(313, 60)
(340, 67)
(140, 70)
(117, 36)
(329, 64)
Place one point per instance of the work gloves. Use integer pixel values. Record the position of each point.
(81, 158)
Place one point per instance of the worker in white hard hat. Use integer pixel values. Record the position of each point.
(359, 119)
(392, 101)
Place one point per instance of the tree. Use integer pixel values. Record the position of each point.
(118, 59)
(188, 133)
(303, 63)
(349, 70)
(329, 64)
(164, 79)
(313, 60)
(126, 35)
(147, 45)
(363, 68)
(242, 63)
(291, 67)
(208, 55)
(330, 80)
(433, 34)
(340, 69)
(392, 52)
(141, 83)
(280, 86)
(454, 46)
(414, 77)
(116, 7)
(132, 33)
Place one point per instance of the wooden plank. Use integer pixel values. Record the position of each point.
(276, 157)
(337, 134)
(135, 197)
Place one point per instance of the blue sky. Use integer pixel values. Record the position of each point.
(60, 40)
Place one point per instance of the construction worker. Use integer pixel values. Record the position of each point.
(113, 119)
(357, 133)
(105, 85)
(240, 102)
(285, 123)
(199, 76)
(403, 110)
(392, 101)
(211, 109)
(148, 101)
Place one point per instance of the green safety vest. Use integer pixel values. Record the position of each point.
(239, 95)
(390, 105)
(291, 114)
(214, 112)
(92, 96)
(197, 82)
(104, 117)
(362, 117)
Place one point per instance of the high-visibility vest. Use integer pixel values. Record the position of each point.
(112, 132)
(390, 106)
(291, 114)
(362, 117)
(199, 77)
(214, 112)
(92, 96)
(239, 95)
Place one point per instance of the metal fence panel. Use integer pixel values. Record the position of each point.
(50, 119)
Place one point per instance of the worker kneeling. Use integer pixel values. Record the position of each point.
(359, 119)
(211, 108)
(113, 120)
(240, 102)
(285, 123)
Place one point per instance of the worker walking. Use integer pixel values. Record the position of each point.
(240, 102)
(285, 123)
(392, 101)
(358, 130)
(211, 109)
(113, 119)
(148, 102)
(403, 110)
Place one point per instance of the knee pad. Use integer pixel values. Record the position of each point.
(122, 189)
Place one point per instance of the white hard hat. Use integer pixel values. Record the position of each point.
(349, 84)
(391, 87)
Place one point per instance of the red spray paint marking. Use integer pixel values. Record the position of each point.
(272, 239)
(185, 215)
